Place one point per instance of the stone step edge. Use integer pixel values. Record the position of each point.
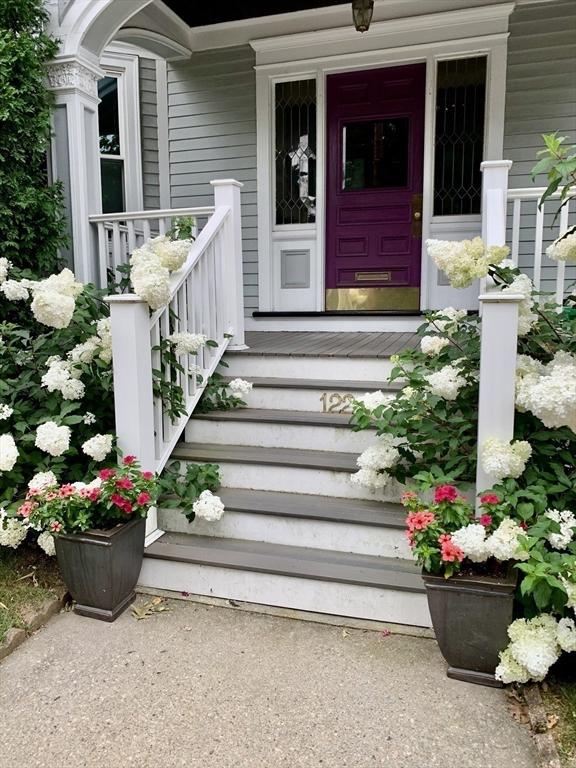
(278, 416)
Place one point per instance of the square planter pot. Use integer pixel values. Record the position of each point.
(470, 616)
(101, 568)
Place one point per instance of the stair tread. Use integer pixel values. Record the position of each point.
(273, 416)
(325, 508)
(302, 562)
(359, 344)
(328, 385)
(245, 454)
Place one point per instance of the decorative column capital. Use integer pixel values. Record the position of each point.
(73, 75)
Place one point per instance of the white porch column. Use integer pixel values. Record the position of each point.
(76, 161)
(227, 193)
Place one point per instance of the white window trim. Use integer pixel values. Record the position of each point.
(494, 46)
(124, 66)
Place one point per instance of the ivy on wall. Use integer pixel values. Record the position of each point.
(31, 210)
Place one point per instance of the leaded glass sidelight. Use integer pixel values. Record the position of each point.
(459, 144)
(295, 151)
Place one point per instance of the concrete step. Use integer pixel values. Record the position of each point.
(275, 428)
(246, 365)
(338, 583)
(313, 472)
(344, 525)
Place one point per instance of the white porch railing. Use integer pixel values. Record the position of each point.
(120, 233)
(206, 297)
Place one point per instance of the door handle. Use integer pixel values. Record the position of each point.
(416, 215)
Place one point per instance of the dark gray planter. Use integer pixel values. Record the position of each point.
(101, 568)
(470, 616)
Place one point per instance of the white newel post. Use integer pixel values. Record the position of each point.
(133, 386)
(227, 193)
(494, 197)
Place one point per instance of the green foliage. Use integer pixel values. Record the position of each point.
(558, 162)
(31, 219)
(183, 228)
(179, 490)
(217, 396)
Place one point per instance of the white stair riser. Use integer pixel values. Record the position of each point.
(317, 482)
(312, 400)
(288, 592)
(297, 532)
(336, 324)
(317, 368)
(266, 435)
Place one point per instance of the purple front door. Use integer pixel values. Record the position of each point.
(374, 188)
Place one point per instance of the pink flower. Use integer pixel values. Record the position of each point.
(485, 520)
(450, 552)
(417, 521)
(55, 526)
(51, 495)
(27, 508)
(445, 493)
(489, 498)
(106, 474)
(143, 498)
(124, 483)
(408, 496)
(148, 475)
(128, 459)
(410, 537)
(94, 494)
(66, 490)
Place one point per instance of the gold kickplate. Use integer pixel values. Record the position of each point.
(370, 299)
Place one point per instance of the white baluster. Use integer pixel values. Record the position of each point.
(538, 237)
(516, 231)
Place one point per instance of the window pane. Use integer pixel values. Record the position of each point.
(112, 172)
(108, 121)
(460, 108)
(295, 152)
(376, 154)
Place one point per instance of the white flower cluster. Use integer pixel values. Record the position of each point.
(466, 260)
(208, 506)
(8, 453)
(548, 391)
(446, 320)
(570, 587)
(567, 522)
(373, 400)
(535, 644)
(447, 382)
(501, 459)
(433, 345)
(526, 317)
(503, 544)
(97, 346)
(151, 266)
(564, 247)
(12, 530)
(63, 377)
(187, 343)
(5, 411)
(46, 542)
(240, 387)
(98, 447)
(14, 291)
(42, 480)
(374, 462)
(4, 269)
(55, 299)
(53, 439)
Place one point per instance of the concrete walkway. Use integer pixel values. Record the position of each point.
(210, 687)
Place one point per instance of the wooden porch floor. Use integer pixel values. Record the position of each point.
(317, 344)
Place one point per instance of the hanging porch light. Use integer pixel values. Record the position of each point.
(362, 11)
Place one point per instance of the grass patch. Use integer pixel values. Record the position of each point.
(27, 578)
(559, 695)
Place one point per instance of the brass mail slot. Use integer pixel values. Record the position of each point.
(365, 276)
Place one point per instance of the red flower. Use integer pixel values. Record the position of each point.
(55, 526)
(94, 494)
(485, 520)
(489, 498)
(127, 507)
(106, 474)
(143, 498)
(118, 500)
(148, 475)
(524, 526)
(417, 521)
(450, 552)
(128, 459)
(445, 493)
(124, 483)
(66, 490)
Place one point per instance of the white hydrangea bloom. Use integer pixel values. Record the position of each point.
(509, 670)
(13, 531)
(63, 283)
(53, 439)
(171, 253)
(501, 459)
(526, 317)
(73, 389)
(567, 523)
(208, 506)
(14, 291)
(466, 260)
(8, 453)
(85, 352)
(42, 480)
(534, 644)
(63, 377)
(472, 541)
(53, 309)
(370, 478)
(570, 587)
(380, 456)
(46, 542)
(446, 320)
(4, 268)
(433, 345)
(89, 418)
(373, 400)
(98, 447)
(504, 543)
(240, 387)
(5, 411)
(549, 392)
(104, 331)
(566, 635)
(187, 343)
(446, 383)
(564, 247)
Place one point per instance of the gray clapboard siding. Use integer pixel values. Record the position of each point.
(540, 98)
(212, 134)
(149, 133)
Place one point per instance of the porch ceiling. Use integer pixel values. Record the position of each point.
(198, 15)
